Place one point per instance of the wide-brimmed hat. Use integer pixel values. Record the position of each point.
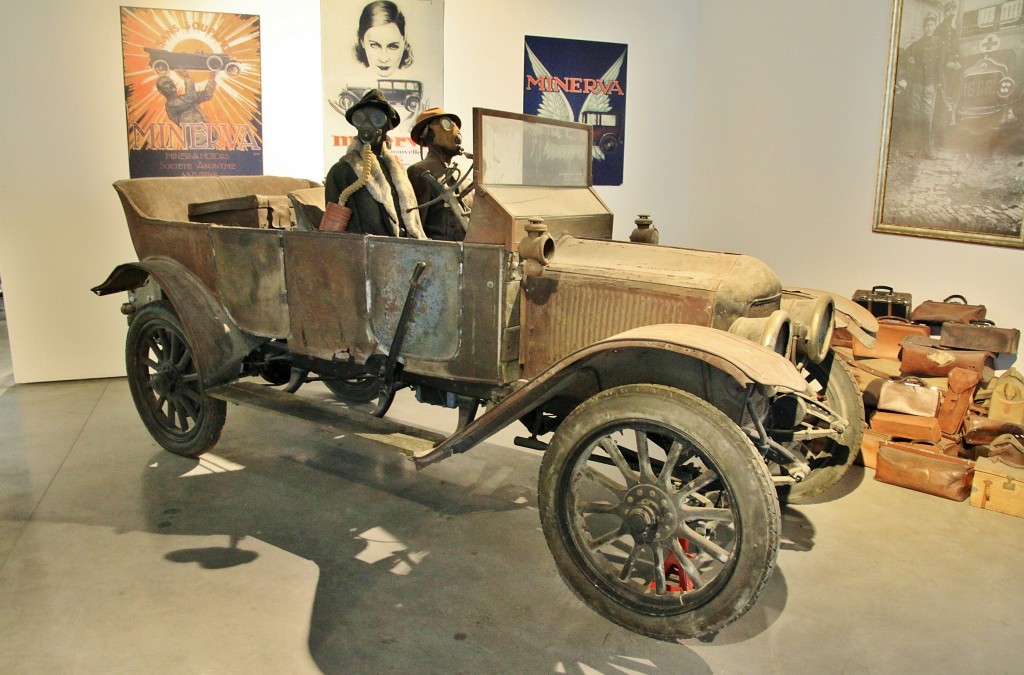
(424, 118)
(375, 99)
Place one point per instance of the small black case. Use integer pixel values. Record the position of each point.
(883, 301)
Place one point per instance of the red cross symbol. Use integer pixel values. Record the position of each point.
(990, 43)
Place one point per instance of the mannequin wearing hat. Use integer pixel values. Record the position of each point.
(440, 133)
(370, 180)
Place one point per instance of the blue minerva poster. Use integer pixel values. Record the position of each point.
(581, 81)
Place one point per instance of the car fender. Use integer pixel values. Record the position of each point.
(745, 361)
(218, 344)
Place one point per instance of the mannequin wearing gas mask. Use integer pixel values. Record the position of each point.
(440, 133)
(369, 179)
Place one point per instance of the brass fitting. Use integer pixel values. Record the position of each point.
(536, 248)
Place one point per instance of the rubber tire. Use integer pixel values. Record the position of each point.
(211, 414)
(738, 464)
(842, 393)
(355, 390)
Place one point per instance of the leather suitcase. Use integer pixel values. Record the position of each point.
(924, 471)
(909, 395)
(869, 445)
(954, 308)
(883, 301)
(891, 332)
(924, 356)
(981, 335)
(911, 427)
(980, 430)
(261, 211)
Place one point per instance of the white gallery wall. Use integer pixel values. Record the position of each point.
(751, 127)
(789, 112)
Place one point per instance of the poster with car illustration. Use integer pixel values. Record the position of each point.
(193, 92)
(581, 81)
(395, 47)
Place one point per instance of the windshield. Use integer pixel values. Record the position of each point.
(538, 152)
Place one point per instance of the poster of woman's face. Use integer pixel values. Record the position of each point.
(396, 47)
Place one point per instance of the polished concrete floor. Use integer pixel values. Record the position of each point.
(287, 551)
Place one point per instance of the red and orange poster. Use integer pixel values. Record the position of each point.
(193, 92)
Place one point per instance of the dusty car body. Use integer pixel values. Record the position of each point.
(681, 389)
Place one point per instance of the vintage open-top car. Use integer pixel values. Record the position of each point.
(673, 392)
(163, 61)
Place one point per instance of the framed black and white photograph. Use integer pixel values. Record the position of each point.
(953, 137)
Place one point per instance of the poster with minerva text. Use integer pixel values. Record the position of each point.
(396, 47)
(193, 92)
(581, 81)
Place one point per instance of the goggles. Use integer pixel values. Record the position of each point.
(370, 117)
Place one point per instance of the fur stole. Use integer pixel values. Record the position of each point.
(378, 187)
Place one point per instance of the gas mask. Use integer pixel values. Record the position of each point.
(445, 135)
(371, 123)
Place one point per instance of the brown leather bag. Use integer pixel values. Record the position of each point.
(982, 335)
(980, 430)
(954, 308)
(910, 427)
(869, 445)
(924, 471)
(891, 331)
(908, 395)
(924, 356)
(960, 386)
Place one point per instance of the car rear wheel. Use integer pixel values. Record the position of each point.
(164, 383)
(658, 511)
(362, 389)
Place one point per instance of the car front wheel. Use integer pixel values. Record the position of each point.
(658, 511)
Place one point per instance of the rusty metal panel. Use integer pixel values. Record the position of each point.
(483, 323)
(327, 295)
(250, 278)
(187, 243)
(434, 325)
(564, 312)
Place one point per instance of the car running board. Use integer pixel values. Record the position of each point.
(337, 418)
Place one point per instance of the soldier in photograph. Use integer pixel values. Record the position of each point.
(924, 66)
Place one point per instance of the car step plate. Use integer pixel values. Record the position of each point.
(408, 440)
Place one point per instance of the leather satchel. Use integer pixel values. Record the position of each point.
(981, 430)
(891, 332)
(924, 471)
(909, 395)
(960, 386)
(910, 427)
(954, 308)
(924, 356)
(869, 445)
(982, 335)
